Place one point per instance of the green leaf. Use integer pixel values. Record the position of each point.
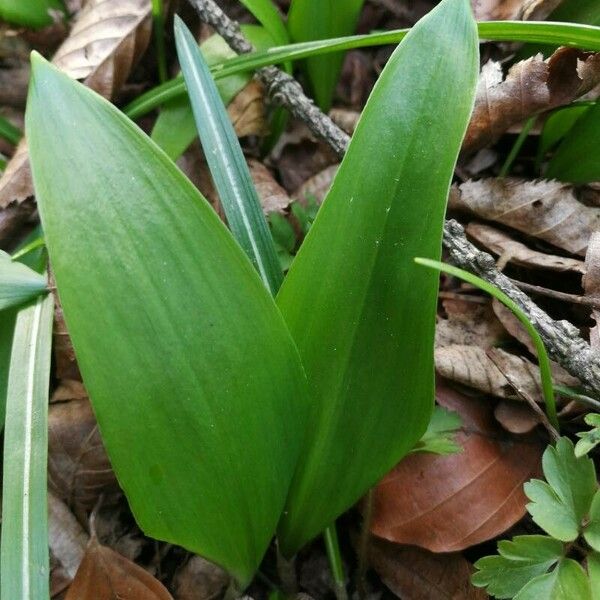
(439, 437)
(543, 359)
(567, 582)
(593, 567)
(577, 159)
(24, 555)
(518, 562)
(589, 439)
(585, 37)
(226, 162)
(268, 15)
(175, 129)
(560, 505)
(18, 283)
(195, 381)
(8, 319)
(317, 20)
(592, 529)
(361, 313)
(29, 13)
(9, 132)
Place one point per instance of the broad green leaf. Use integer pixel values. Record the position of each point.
(439, 437)
(585, 37)
(268, 15)
(517, 562)
(543, 358)
(593, 567)
(24, 555)
(18, 283)
(226, 161)
(577, 159)
(560, 505)
(567, 582)
(592, 529)
(589, 439)
(175, 128)
(30, 13)
(360, 311)
(194, 378)
(317, 20)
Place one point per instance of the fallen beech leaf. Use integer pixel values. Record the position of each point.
(448, 503)
(492, 10)
(318, 185)
(516, 417)
(547, 210)
(199, 579)
(416, 574)
(591, 284)
(273, 198)
(247, 110)
(531, 86)
(510, 250)
(106, 575)
(108, 37)
(78, 468)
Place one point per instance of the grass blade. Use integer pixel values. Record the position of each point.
(18, 283)
(543, 359)
(269, 17)
(226, 161)
(194, 378)
(24, 554)
(362, 315)
(9, 132)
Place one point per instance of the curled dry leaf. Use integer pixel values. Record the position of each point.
(591, 284)
(416, 574)
(531, 86)
(273, 198)
(106, 575)
(318, 185)
(78, 468)
(199, 579)
(247, 110)
(422, 501)
(547, 210)
(510, 250)
(108, 37)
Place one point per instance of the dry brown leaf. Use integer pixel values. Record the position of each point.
(491, 10)
(67, 541)
(78, 467)
(516, 417)
(467, 325)
(547, 210)
(416, 574)
(247, 110)
(510, 250)
(591, 284)
(65, 363)
(108, 37)
(106, 575)
(199, 579)
(318, 185)
(273, 198)
(530, 87)
(345, 118)
(448, 503)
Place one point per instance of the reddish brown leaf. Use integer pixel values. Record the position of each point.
(416, 574)
(106, 575)
(447, 503)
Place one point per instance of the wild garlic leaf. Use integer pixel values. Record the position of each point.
(567, 582)
(592, 529)
(517, 562)
(589, 439)
(560, 505)
(439, 437)
(18, 283)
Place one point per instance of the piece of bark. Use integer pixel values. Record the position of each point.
(544, 209)
(510, 250)
(531, 86)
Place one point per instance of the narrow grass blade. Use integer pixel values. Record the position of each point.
(362, 314)
(18, 283)
(226, 162)
(24, 554)
(158, 26)
(586, 37)
(194, 378)
(268, 16)
(9, 132)
(543, 359)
